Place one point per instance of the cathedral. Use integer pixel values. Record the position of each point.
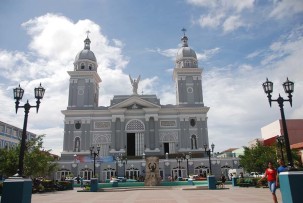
(114, 140)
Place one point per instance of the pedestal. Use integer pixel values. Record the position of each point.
(94, 185)
(17, 189)
(152, 173)
(211, 181)
(291, 186)
(234, 181)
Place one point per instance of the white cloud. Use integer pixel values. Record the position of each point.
(232, 23)
(223, 9)
(207, 54)
(237, 5)
(286, 8)
(253, 54)
(54, 42)
(211, 20)
(118, 43)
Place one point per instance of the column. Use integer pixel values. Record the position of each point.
(182, 126)
(118, 134)
(113, 133)
(157, 126)
(122, 133)
(66, 134)
(200, 133)
(146, 134)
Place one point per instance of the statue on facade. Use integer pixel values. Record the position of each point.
(135, 84)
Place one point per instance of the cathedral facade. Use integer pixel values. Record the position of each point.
(114, 140)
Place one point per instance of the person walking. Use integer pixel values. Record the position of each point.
(271, 176)
(223, 179)
(78, 179)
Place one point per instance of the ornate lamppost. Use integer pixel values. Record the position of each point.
(122, 162)
(94, 154)
(179, 160)
(208, 152)
(280, 140)
(18, 94)
(187, 157)
(289, 89)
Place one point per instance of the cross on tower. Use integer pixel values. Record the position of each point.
(87, 32)
(183, 30)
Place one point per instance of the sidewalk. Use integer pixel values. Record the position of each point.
(175, 195)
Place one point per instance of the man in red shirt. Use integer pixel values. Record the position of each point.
(271, 175)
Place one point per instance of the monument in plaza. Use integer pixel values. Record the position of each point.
(152, 173)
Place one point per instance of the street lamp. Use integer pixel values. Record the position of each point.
(179, 160)
(94, 154)
(187, 157)
(288, 88)
(280, 140)
(122, 161)
(18, 94)
(208, 152)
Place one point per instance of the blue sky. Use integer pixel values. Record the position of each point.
(239, 43)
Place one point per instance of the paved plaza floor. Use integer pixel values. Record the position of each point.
(173, 195)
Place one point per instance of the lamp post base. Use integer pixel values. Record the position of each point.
(211, 181)
(291, 186)
(94, 185)
(17, 185)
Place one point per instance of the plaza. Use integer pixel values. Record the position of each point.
(160, 195)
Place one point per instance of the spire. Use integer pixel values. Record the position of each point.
(87, 41)
(184, 39)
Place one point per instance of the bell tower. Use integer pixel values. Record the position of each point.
(187, 76)
(84, 79)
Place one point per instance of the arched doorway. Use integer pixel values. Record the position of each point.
(201, 171)
(134, 137)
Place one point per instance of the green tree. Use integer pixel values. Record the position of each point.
(37, 162)
(257, 157)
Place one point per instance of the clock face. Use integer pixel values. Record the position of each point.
(190, 90)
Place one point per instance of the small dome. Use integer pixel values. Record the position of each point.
(185, 52)
(186, 57)
(86, 53)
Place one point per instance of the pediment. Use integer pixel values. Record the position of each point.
(134, 102)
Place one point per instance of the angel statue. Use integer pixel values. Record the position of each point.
(134, 84)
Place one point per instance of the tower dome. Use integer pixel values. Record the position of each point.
(85, 59)
(186, 57)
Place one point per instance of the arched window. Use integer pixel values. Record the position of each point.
(90, 67)
(62, 174)
(86, 173)
(82, 66)
(193, 142)
(187, 63)
(77, 144)
(132, 173)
